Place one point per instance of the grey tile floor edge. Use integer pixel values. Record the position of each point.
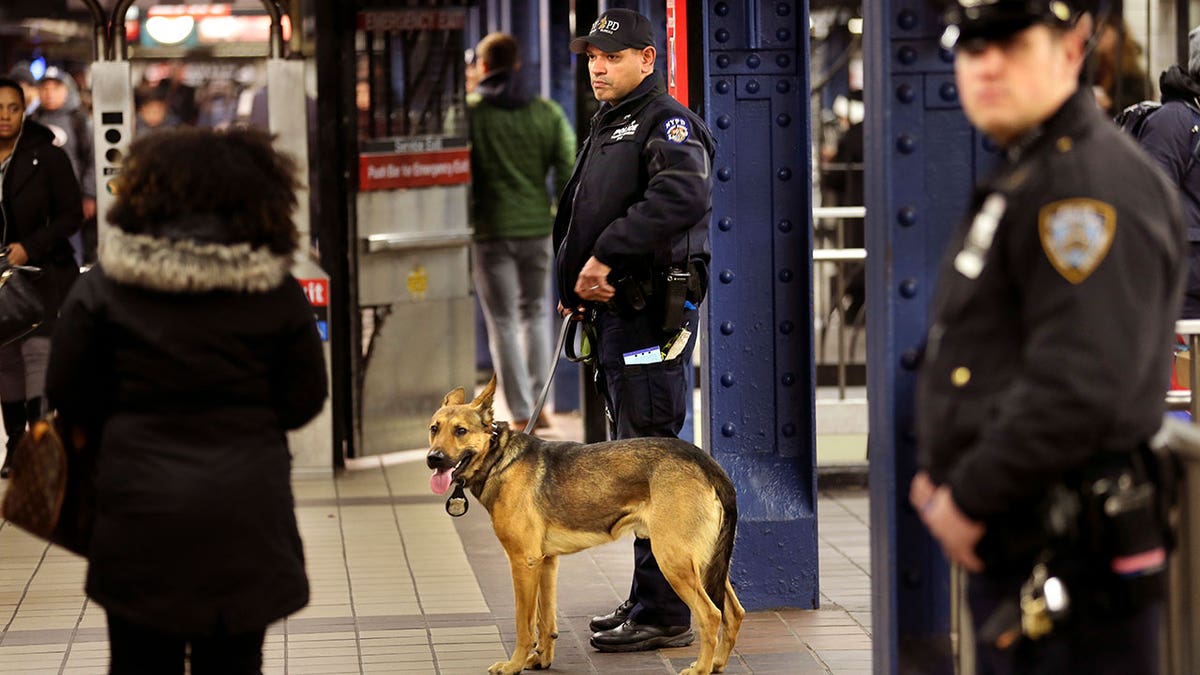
(400, 587)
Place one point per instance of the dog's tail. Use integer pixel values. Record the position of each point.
(717, 572)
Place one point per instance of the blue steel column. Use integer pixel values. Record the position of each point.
(760, 365)
(920, 161)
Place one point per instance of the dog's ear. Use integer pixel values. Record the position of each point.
(484, 400)
(457, 396)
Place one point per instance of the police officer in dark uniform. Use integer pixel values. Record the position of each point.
(631, 236)
(1048, 354)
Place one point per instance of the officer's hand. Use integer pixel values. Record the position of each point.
(921, 491)
(592, 283)
(957, 533)
(17, 255)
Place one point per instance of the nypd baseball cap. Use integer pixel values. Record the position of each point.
(987, 20)
(616, 30)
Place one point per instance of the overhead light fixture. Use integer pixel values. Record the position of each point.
(855, 25)
(170, 30)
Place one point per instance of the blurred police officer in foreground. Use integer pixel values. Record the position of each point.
(1047, 358)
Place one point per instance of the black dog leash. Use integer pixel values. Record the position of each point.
(562, 340)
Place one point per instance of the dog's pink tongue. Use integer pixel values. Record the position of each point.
(440, 481)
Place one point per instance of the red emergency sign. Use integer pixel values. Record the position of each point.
(317, 291)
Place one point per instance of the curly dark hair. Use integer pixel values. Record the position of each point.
(235, 175)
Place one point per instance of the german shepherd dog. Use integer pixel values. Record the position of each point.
(549, 498)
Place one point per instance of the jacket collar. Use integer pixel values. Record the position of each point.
(190, 265)
(1071, 120)
(637, 99)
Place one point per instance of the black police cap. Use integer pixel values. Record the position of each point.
(616, 30)
(997, 19)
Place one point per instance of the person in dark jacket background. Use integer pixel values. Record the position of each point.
(631, 235)
(192, 349)
(1172, 137)
(40, 208)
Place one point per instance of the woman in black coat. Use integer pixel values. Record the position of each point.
(40, 208)
(193, 350)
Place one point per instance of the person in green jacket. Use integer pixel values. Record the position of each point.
(517, 142)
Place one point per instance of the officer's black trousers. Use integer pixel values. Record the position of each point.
(646, 400)
(1093, 643)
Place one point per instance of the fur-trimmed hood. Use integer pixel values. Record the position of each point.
(190, 264)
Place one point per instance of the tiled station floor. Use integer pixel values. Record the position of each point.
(398, 586)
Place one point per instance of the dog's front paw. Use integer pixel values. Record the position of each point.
(693, 670)
(505, 668)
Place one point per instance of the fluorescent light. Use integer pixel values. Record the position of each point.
(170, 30)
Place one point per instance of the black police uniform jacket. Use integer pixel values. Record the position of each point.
(41, 209)
(194, 358)
(640, 196)
(1060, 347)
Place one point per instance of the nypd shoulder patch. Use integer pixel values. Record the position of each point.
(676, 129)
(1076, 235)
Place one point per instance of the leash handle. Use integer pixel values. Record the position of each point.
(558, 349)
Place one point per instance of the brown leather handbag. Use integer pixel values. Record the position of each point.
(50, 492)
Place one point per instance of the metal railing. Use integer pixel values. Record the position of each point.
(839, 257)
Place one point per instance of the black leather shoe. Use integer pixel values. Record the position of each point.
(637, 637)
(612, 619)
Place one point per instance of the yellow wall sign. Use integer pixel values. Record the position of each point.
(418, 282)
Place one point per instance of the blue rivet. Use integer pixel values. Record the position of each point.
(728, 430)
(722, 60)
(788, 430)
(753, 61)
(907, 55)
(788, 379)
(727, 380)
(908, 288)
(783, 35)
(724, 122)
(907, 19)
(782, 9)
(785, 173)
(783, 119)
(948, 91)
(724, 173)
(785, 226)
(906, 144)
(726, 276)
(722, 35)
(783, 60)
(725, 224)
(909, 359)
(787, 327)
(907, 216)
(946, 55)
(785, 276)
(727, 328)
(722, 86)
(783, 86)
(752, 86)
(906, 93)
(721, 9)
